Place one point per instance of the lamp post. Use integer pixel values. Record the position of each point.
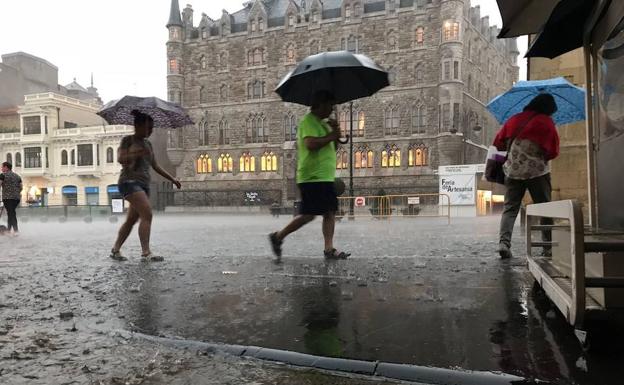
(470, 118)
(351, 201)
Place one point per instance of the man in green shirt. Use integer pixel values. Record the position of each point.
(316, 171)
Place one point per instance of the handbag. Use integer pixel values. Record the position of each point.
(496, 159)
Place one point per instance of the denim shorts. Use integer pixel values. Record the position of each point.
(131, 186)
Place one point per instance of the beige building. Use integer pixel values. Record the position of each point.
(64, 152)
(569, 170)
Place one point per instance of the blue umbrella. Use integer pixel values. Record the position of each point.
(570, 100)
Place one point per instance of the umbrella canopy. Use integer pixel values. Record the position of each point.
(570, 100)
(523, 17)
(165, 114)
(563, 32)
(346, 75)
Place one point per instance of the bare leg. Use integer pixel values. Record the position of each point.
(329, 221)
(140, 202)
(294, 225)
(126, 228)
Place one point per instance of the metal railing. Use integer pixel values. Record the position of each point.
(403, 205)
(62, 213)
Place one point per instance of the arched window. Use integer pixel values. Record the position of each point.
(223, 61)
(204, 164)
(9, 157)
(392, 75)
(391, 120)
(417, 155)
(349, 44)
(420, 36)
(391, 157)
(291, 20)
(73, 157)
(203, 63)
(363, 158)
(256, 57)
(18, 159)
(260, 24)
(63, 158)
(268, 161)
(291, 55)
(418, 119)
(347, 12)
(247, 162)
(256, 129)
(359, 122)
(419, 74)
(110, 157)
(392, 40)
(223, 93)
(203, 133)
(224, 134)
(290, 127)
(255, 89)
(253, 25)
(225, 163)
(342, 159)
(203, 94)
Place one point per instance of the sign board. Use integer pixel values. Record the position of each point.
(461, 169)
(360, 202)
(413, 200)
(117, 205)
(460, 188)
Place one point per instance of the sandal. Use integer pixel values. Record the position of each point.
(116, 255)
(334, 254)
(151, 258)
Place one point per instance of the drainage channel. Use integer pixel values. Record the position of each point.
(404, 372)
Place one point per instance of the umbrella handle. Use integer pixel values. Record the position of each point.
(345, 140)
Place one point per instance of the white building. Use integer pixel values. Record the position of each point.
(64, 152)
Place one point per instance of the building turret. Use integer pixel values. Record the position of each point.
(174, 54)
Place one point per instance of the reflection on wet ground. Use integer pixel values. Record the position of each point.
(439, 297)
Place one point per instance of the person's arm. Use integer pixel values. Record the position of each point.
(500, 141)
(314, 143)
(165, 174)
(552, 150)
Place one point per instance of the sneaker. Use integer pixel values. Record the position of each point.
(116, 255)
(276, 245)
(335, 254)
(151, 258)
(504, 251)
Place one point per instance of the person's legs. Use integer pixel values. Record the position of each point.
(140, 201)
(125, 229)
(10, 205)
(298, 222)
(540, 189)
(329, 221)
(513, 200)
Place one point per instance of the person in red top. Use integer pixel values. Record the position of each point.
(531, 140)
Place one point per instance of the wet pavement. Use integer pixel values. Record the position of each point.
(415, 291)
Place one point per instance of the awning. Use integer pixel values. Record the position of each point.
(524, 17)
(112, 189)
(70, 190)
(92, 190)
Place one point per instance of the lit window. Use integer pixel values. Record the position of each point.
(268, 162)
(364, 158)
(247, 163)
(342, 159)
(451, 30)
(391, 157)
(417, 155)
(225, 163)
(420, 35)
(204, 164)
(174, 66)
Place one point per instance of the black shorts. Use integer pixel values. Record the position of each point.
(318, 198)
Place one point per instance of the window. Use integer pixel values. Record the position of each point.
(18, 159)
(451, 30)
(32, 125)
(344, 119)
(256, 89)
(418, 119)
(446, 74)
(73, 157)
(204, 33)
(392, 41)
(174, 138)
(204, 164)
(203, 63)
(417, 155)
(247, 163)
(391, 121)
(223, 93)
(260, 24)
(47, 158)
(253, 25)
(174, 66)
(203, 133)
(420, 36)
(455, 115)
(342, 159)
(364, 158)
(223, 61)
(268, 161)
(256, 130)
(32, 157)
(9, 157)
(109, 155)
(446, 116)
(420, 74)
(174, 34)
(291, 54)
(456, 70)
(225, 163)
(256, 57)
(349, 44)
(290, 127)
(291, 20)
(224, 135)
(391, 157)
(469, 85)
(314, 16)
(85, 155)
(203, 94)
(357, 10)
(70, 125)
(348, 12)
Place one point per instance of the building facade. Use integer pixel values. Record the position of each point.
(64, 152)
(444, 64)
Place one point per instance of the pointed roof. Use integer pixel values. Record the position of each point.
(174, 15)
(74, 86)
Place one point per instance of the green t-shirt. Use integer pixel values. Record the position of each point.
(318, 165)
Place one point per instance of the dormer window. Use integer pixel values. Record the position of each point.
(204, 33)
(348, 12)
(253, 26)
(314, 16)
(291, 20)
(260, 24)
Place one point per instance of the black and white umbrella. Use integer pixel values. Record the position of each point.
(345, 75)
(165, 114)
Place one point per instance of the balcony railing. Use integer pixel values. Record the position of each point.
(66, 99)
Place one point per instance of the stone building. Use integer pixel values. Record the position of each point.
(444, 64)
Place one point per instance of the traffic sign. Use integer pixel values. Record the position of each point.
(360, 202)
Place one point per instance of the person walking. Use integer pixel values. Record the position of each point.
(316, 173)
(11, 194)
(531, 140)
(136, 155)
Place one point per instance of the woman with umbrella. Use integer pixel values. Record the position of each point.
(136, 156)
(531, 139)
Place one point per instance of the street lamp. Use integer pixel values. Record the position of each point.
(470, 120)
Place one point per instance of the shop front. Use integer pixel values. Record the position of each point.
(70, 195)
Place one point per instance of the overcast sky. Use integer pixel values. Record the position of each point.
(121, 41)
